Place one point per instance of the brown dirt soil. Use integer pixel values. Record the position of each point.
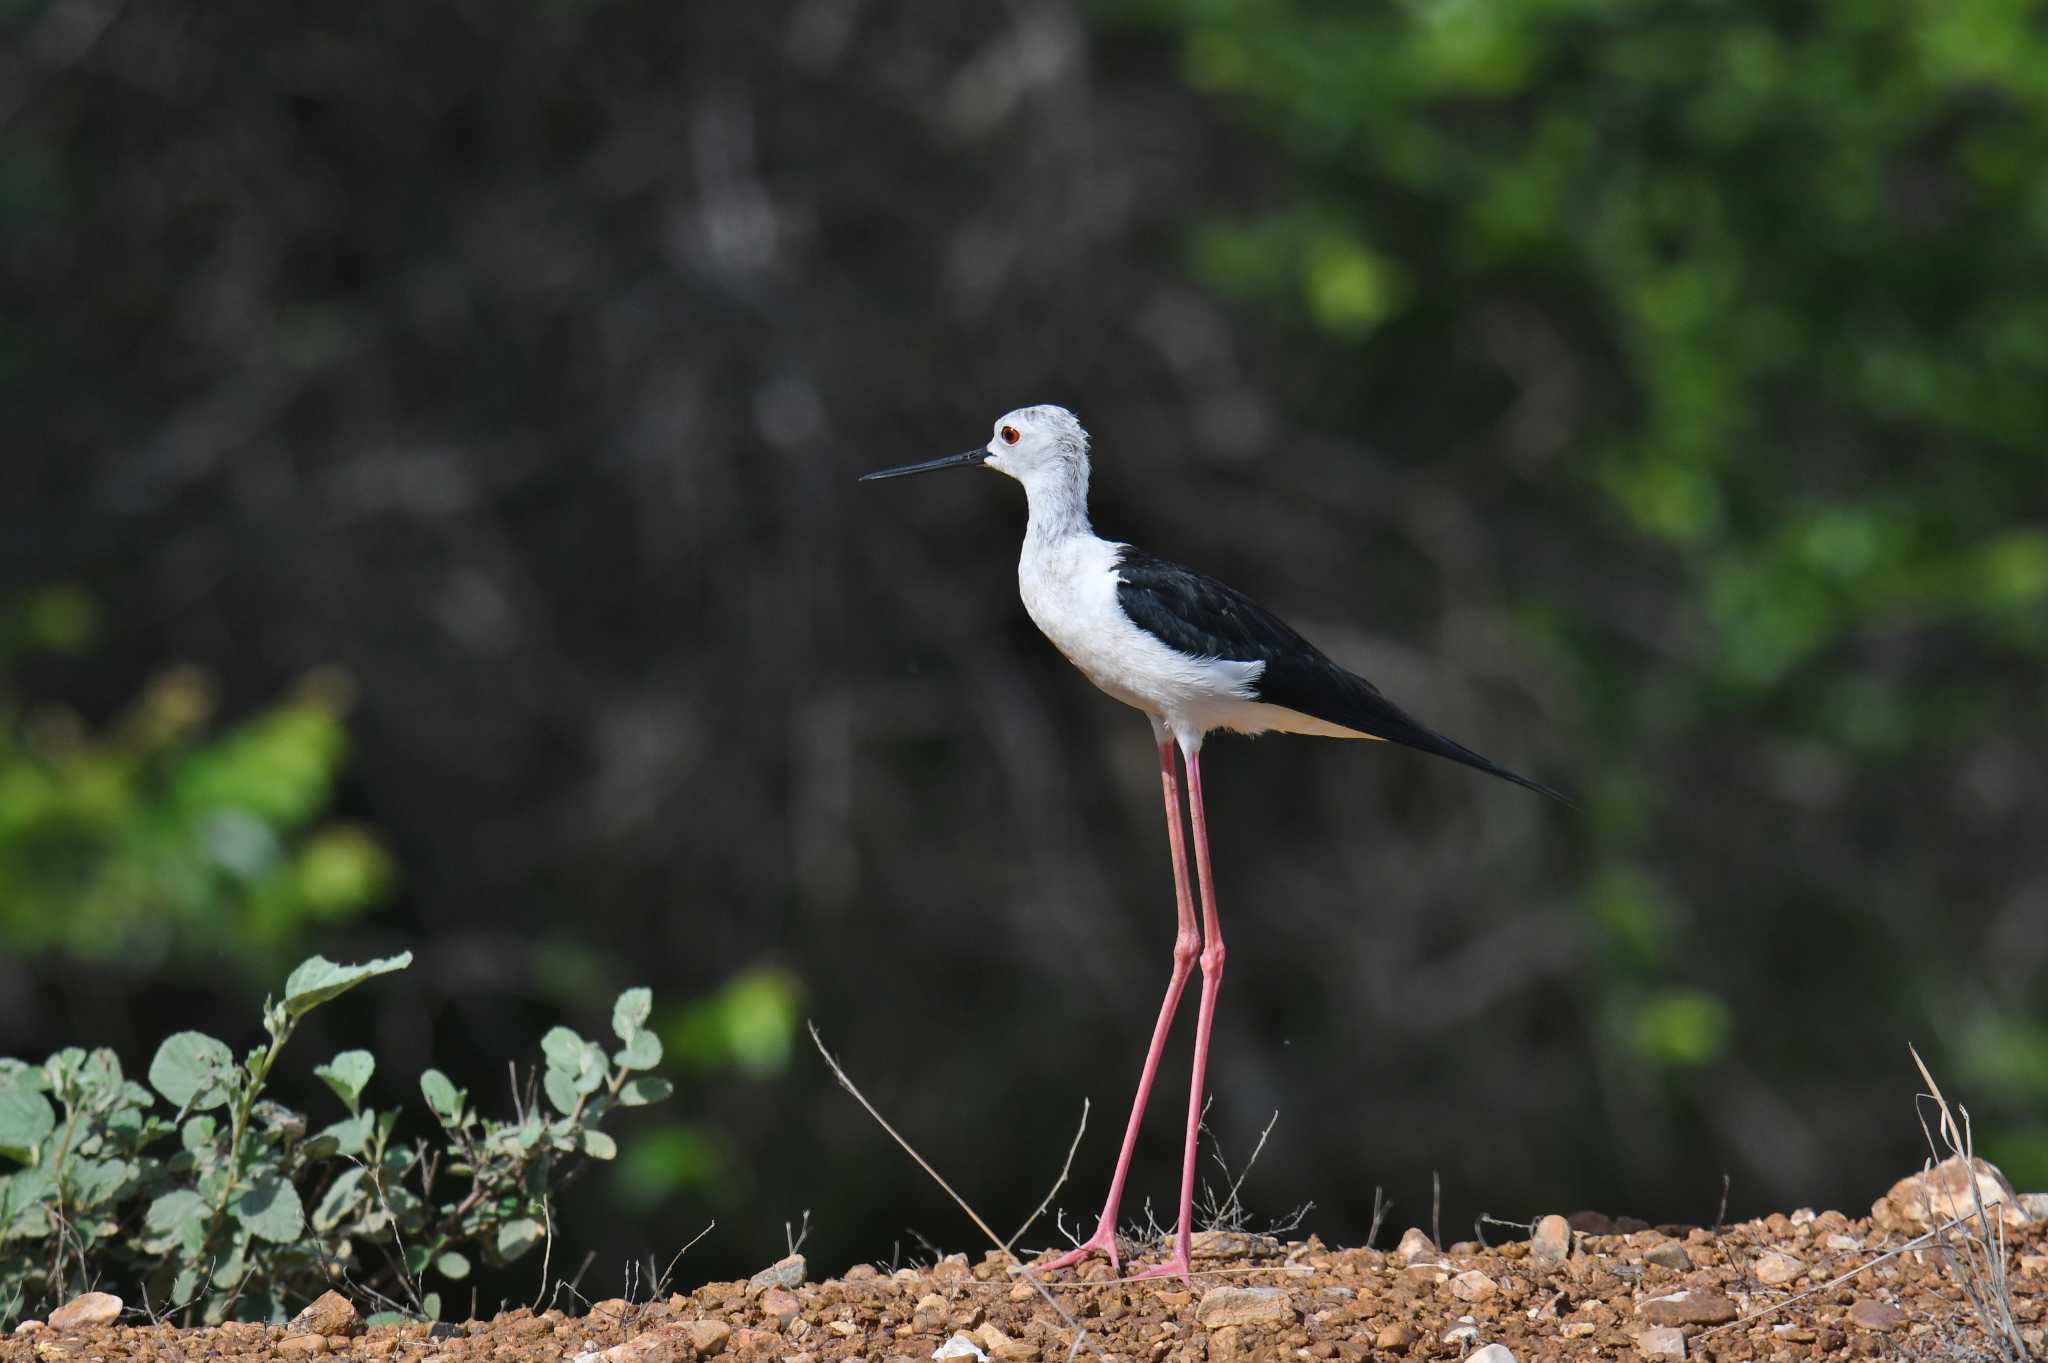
(1252, 1300)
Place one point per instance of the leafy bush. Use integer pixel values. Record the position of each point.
(231, 1205)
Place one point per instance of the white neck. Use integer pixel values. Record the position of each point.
(1057, 493)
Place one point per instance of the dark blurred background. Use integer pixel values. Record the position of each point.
(429, 522)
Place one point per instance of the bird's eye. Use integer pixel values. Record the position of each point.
(1009, 434)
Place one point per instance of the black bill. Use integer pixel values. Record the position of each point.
(951, 461)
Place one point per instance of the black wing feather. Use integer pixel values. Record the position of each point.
(1197, 615)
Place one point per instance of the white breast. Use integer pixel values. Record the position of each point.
(1069, 589)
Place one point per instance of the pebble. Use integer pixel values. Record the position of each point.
(1688, 1308)
(84, 1312)
(1465, 1330)
(1472, 1285)
(780, 1305)
(1414, 1246)
(1876, 1315)
(960, 1346)
(1922, 1201)
(1492, 1353)
(1775, 1269)
(1661, 1341)
(1395, 1337)
(1552, 1242)
(29, 1327)
(330, 1314)
(1670, 1255)
(1244, 1306)
(1577, 1329)
(302, 1346)
(787, 1272)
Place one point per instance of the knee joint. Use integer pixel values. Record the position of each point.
(1212, 958)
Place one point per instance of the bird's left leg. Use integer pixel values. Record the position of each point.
(1212, 977)
(1185, 943)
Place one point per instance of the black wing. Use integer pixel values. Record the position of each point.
(1197, 615)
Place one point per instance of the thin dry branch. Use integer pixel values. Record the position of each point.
(1081, 1336)
(1065, 1168)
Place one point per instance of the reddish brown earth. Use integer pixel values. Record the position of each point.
(1251, 1300)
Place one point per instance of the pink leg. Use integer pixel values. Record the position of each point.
(1185, 944)
(1212, 976)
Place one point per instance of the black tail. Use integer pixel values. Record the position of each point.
(1327, 691)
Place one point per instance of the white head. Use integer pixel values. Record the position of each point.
(1045, 449)
(1033, 442)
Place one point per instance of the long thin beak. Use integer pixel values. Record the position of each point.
(951, 461)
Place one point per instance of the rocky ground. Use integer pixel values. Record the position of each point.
(1583, 1288)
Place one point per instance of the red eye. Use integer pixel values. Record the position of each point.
(1009, 434)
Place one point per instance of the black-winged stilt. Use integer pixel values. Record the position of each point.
(1194, 655)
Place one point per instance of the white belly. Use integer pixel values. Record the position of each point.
(1069, 589)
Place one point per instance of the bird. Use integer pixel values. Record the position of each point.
(1195, 656)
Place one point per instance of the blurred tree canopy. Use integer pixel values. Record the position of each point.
(1648, 393)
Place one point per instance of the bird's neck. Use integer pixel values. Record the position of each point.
(1058, 500)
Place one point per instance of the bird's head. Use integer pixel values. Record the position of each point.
(1029, 444)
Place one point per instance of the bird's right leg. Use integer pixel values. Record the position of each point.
(1186, 944)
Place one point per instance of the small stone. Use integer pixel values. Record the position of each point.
(1023, 1292)
(1843, 1244)
(84, 1312)
(787, 1272)
(1014, 1351)
(705, 1336)
(1670, 1255)
(1222, 1306)
(302, 1346)
(1875, 1315)
(1661, 1341)
(1225, 1343)
(1925, 1200)
(1228, 1244)
(929, 1313)
(29, 1327)
(1396, 1337)
(780, 1305)
(960, 1346)
(330, 1314)
(1414, 1246)
(1552, 1242)
(1464, 1330)
(1688, 1308)
(1577, 1329)
(1776, 1268)
(1472, 1285)
(2029, 1264)
(1492, 1353)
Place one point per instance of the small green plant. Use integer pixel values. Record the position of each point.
(217, 1202)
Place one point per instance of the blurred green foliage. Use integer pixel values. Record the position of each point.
(1645, 163)
(160, 833)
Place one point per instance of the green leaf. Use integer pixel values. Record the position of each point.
(197, 1135)
(561, 1091)
(452, 1264)
(643, 1089)
(347, 1073)
(318, 980)
(352, 1134)
(192, 1070)
(517, 1237)
(26, 1117)
(340, 1199)
(641, 1052)
(270, 1210)
(442, 1096)
(629, 1014)
(173, 1210)
(597, 1145)
(93, 1182)
(564, 1049)
(431, 1306)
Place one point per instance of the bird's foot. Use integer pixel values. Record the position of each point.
(1176, 1267)
(1102, 1242)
